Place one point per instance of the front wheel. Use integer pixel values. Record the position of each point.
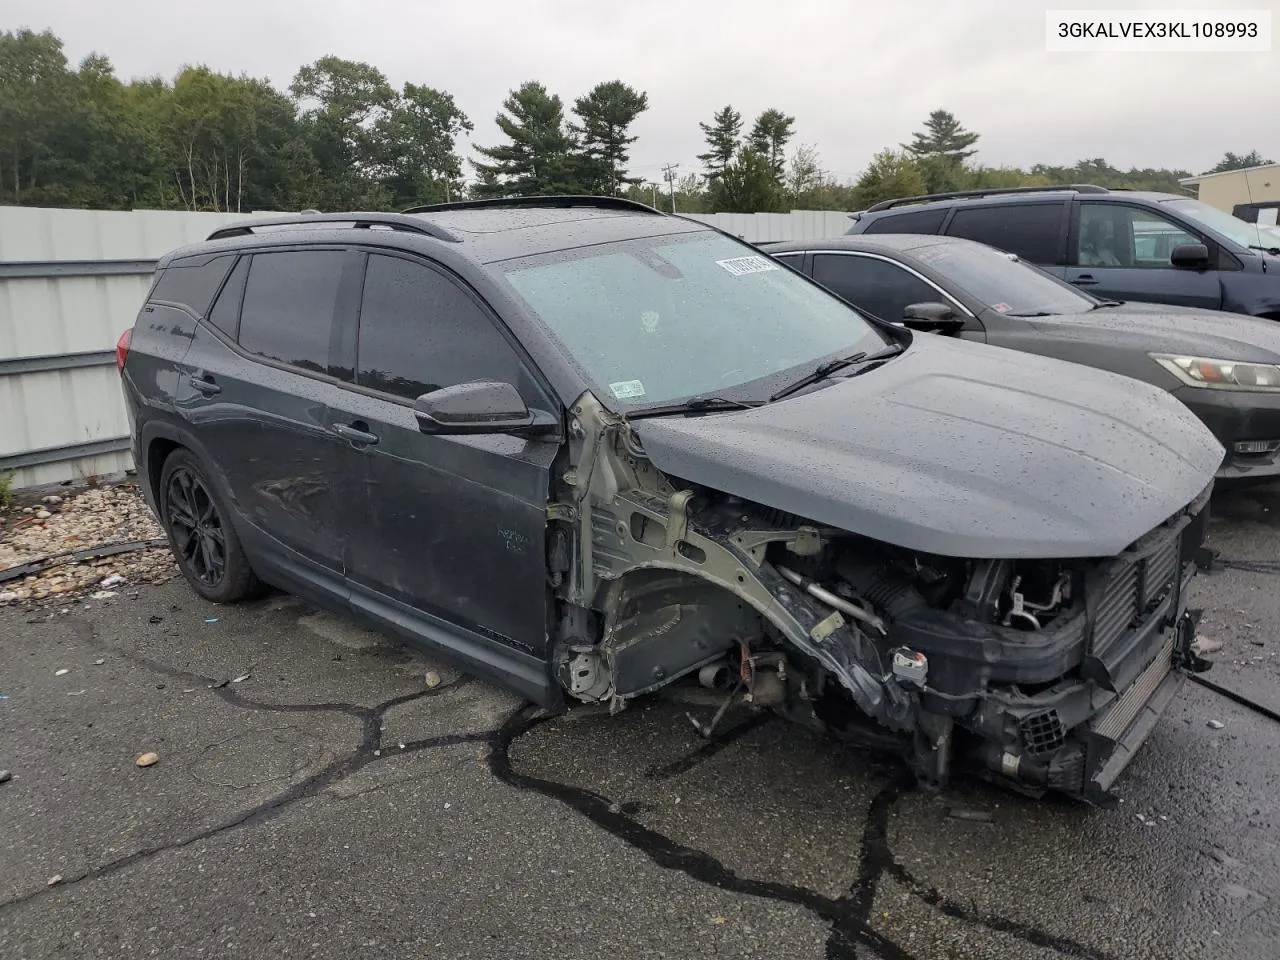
(205, 546)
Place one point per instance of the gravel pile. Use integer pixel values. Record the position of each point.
(90, 519)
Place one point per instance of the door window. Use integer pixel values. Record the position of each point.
(1112, 235)
(421, 331)
(289, 304)
(876, 286)
(1031, 230)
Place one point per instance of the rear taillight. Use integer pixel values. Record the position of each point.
(122, 349)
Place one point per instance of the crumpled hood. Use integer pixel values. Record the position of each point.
(1164, 328)
(958, 449)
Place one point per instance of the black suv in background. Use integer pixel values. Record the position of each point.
(589, 449)
(1115, 244)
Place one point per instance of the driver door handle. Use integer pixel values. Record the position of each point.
(1085, 280)
(356, 433)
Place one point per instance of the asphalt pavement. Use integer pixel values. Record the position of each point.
(323, 792)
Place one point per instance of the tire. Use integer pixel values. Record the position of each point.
(204, 544)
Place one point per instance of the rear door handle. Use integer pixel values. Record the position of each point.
(1085, 280)
(355, 433)
(205, 385)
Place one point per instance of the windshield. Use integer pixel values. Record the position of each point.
(1244, 233)
(1002, 281)
(666, 318)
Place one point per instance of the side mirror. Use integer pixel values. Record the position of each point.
(1190, 256)
(485, 406)
(931, 318)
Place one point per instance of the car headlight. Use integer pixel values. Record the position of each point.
(1221, 374)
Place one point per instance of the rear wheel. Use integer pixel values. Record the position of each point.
(205, 546)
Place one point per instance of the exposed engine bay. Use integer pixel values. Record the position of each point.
(1043, 674)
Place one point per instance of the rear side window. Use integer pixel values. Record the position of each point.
(420, 331)
(225, 314)
(926, 220)
(1031, 230)
(191, 283)
(878, 287)
(290, 299)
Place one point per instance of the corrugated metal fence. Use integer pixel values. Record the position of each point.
(796, 225)
(72, 280)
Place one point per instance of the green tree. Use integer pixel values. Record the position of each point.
(607, 113)
(101, 155)
(990, 178)
(341, 102)
(223, 140)
(722, 135)
(1098, 171)
(415, 146)
(747, 185)
(36, 93)
(1231, 161)
(769, 136)
(943, 136)
(889, 175)
(541, 158)
(941, 149)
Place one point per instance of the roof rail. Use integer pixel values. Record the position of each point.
(990, 192)
(358, 221)
(574, 200)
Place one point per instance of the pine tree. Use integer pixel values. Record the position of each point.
(941, 150)
(607, 113)
(722, 138)
(769, 137)
(541, 157)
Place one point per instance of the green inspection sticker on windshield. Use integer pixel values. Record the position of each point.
(627, 389)
(741, 266)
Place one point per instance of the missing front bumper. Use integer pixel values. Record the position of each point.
(1116, 735)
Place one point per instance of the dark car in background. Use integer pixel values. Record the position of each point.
(1224, 367)
(1117, 244)
(588, 450)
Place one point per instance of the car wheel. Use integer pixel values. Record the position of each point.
(205, 546)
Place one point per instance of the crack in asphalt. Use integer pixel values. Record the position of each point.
(849, 915)
(365, 753)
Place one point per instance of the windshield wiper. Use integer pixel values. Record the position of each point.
(824, 370)
(1037, 313)
(1274, 251)
(694, 405)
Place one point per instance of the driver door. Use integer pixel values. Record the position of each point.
(445, 530)
(885, 288)
(1121, 252)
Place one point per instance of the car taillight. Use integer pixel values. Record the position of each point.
(122, 349)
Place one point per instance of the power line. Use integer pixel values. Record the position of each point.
(669, 172)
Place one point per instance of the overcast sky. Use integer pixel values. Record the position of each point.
(858, 75)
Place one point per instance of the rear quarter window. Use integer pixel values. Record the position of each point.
(911, 221)
(191, 283)
(1031, 230)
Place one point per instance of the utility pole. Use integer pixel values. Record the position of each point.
(669, 172)
(654, 188)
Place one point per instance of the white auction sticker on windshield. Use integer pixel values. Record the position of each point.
(627, 389)
(741, 266)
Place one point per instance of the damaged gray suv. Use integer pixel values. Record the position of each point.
(590, 450)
